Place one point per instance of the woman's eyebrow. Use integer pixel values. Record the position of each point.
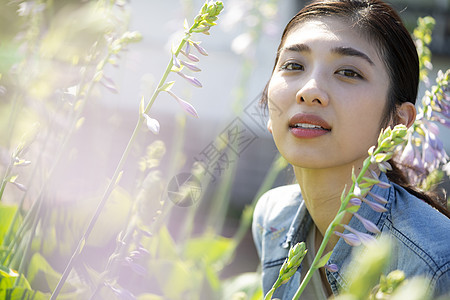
(349, 51)
(295, 48)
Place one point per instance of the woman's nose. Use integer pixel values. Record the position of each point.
(312, 93)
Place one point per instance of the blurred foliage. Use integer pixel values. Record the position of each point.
(368, 282)
(53, 60)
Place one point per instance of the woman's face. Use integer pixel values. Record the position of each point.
(327, 95)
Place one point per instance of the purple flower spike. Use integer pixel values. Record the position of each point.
(332, 268)
(355, 201)
(190, 79)
(189, 56)
(185, 105)
(190, 66)
(200, 49)
(377, 198)
(375, 206)
(367, 224)
(349, 238)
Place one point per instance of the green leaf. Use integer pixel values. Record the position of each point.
(322, 262)
(175, 277)
(20, 293)
(167, 86)
(352, 209)
(6, 215)
(343, 194)
(337, 220)
(117, 208)
(380, 157)
(353, 175)
(162, 245)
(371, 180)
(43, 277)
(176, 69)
(142, 106)
(217, 247)
(12, 178)
(8, 278)
(246, 283)
(365, 185)
(213, 277)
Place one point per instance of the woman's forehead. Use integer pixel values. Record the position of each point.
(330, 28)
(333, 31)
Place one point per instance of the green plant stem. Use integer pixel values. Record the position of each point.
(277, 166)
(56, 160)
(22, 200)
(272, 290)
(115, 176)
(99, 209)
(336, 221)
(22, 264)
(268, 182)
(5, 178)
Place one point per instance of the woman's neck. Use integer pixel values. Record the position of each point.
(321, 191)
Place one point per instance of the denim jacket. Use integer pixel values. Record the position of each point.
(419, 235)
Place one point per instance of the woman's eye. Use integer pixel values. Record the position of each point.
(290, 66)
(349, 73)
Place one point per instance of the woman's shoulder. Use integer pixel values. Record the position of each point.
(411, 211)
(279, 202)
(421, 231)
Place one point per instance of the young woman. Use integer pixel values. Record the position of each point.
(344, 69)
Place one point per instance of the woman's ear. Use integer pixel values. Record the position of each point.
(406, 114)
(269, 126)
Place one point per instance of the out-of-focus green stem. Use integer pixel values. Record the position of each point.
(5, 178)
(272, 290)
(219, 208)
(278, 164)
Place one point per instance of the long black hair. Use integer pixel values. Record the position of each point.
(383, 27)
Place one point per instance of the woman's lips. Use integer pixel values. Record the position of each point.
(308, 126)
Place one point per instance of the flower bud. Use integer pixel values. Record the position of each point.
(185, 105)
(349, 238)
(332, 268)
(152, 124)
(192, 80)
(367, 224)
